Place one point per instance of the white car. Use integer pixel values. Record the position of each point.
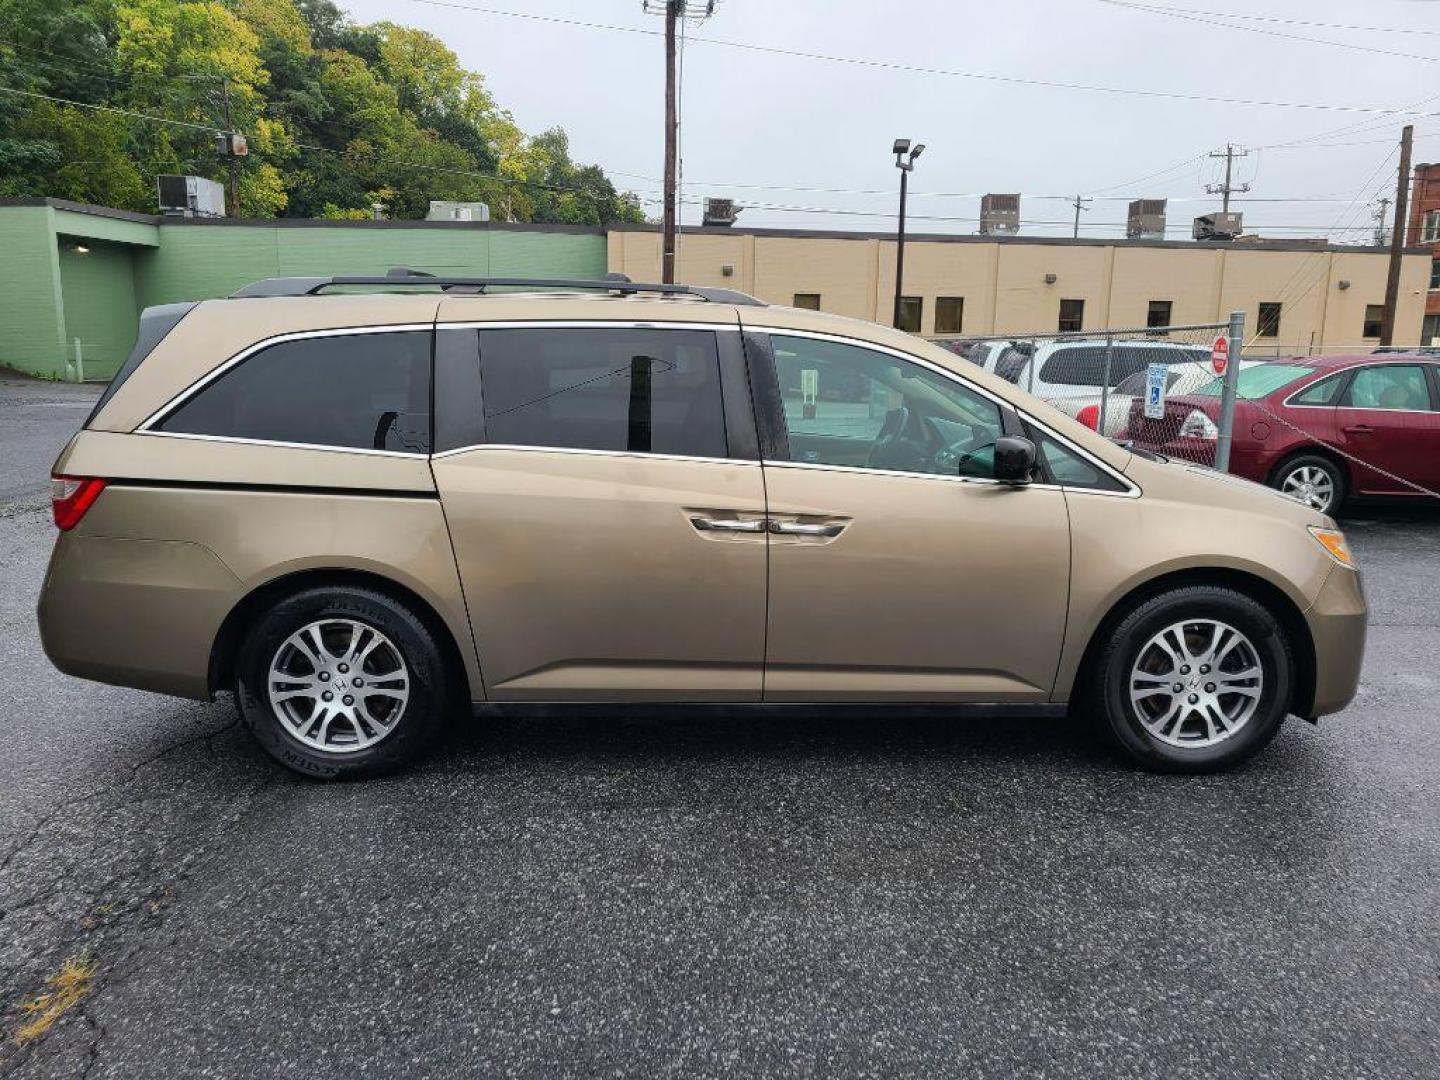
(1182, 379)
(1070, 374)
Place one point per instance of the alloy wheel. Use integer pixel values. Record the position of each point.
(338, 685)
(1311, 485)
(1196, 683)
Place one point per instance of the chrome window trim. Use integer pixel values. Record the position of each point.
(329, 447)
(250, 350)
(640, 455)
(1132, 490)
(1355, 370)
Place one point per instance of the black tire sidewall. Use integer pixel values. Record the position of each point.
(1226, 605)
(424, 712)
(1336, 474)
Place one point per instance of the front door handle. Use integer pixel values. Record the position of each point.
(798, 528)
(731, 525)
(1359, 429)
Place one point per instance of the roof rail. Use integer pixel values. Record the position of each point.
(400, 275)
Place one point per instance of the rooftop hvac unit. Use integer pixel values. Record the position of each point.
(190, 196)
(1000, 215)
(444, 210)
(720, 212)
(1217, 226)
(1146, 220)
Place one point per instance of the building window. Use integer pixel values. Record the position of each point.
(1158, 314)
(1072, 316)
(1374, 315)
(1435, 273)
(810, 301)
(911, 310)
(949, 314)
(1268, 325)
(1430, 227)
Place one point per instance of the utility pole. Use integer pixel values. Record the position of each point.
(232, 193)
(1230, 153)
(1078, 204)
(674, 11)
(1397, 239)
(1381, 211)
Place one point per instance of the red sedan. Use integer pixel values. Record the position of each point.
(1319, 428)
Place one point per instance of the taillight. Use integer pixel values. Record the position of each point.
(71, 496)
(1090, 417)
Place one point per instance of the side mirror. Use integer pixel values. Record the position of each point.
(1014, 459)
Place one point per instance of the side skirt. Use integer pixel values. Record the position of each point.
(774, 710)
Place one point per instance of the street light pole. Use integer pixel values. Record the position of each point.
(905, 162)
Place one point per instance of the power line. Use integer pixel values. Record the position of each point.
(893, 65)
(1178, 13)
(1301, 22)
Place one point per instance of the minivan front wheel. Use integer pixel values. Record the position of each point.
(1196, 679)
(342, 682)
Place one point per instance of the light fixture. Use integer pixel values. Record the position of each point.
(919, 149)
(1050, 279)
(902, 145)
(81, 249)
(727, 269)
(1344, 283)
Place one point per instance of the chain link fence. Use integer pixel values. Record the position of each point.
(1131, 385)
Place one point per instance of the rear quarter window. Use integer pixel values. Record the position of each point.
(363, 391)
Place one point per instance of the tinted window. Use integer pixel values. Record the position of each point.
(1084, 365)
(367, 391)
(1391, 386)
(847, 405)
(642, 391)
(1011, 364)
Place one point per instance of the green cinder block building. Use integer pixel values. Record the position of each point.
(76, 273)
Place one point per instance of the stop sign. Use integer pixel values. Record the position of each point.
(1220, 354)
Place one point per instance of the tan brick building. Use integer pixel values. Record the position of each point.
(1297, 296)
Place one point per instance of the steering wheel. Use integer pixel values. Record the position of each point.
(894, 448)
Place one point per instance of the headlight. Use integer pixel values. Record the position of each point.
(1198, 426)
(1333, 541)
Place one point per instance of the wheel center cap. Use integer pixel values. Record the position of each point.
(1194, 683)
(340, 683)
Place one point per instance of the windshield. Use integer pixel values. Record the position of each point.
(1259, 381)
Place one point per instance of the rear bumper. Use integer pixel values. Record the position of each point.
(141, 613)
(1337, 623)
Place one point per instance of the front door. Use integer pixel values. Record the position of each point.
(899, 569)
(1377, 423)
(607, 513)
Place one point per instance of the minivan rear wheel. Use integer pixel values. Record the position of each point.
(342, 683)
(1196, 679)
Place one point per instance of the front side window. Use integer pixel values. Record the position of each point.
(619, 389)
(1069, 469)
(851, 406)
(1389, 386)
(362, 391)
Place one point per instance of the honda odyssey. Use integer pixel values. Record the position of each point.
(363, 512)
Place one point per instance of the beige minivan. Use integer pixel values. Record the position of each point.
(361, 511)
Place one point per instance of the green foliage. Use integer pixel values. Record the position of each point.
(338, 116)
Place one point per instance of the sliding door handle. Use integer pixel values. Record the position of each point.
(798, 528)
(730, 525)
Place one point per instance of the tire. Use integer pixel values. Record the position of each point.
(1309, 475)
(406, 690)
(1143, 729)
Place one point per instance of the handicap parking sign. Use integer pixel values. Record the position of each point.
(1156, 376)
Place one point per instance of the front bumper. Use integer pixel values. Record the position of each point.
(1337, 622)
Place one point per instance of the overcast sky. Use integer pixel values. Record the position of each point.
(762, 127)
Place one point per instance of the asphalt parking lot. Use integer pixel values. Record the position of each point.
(703, 897)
